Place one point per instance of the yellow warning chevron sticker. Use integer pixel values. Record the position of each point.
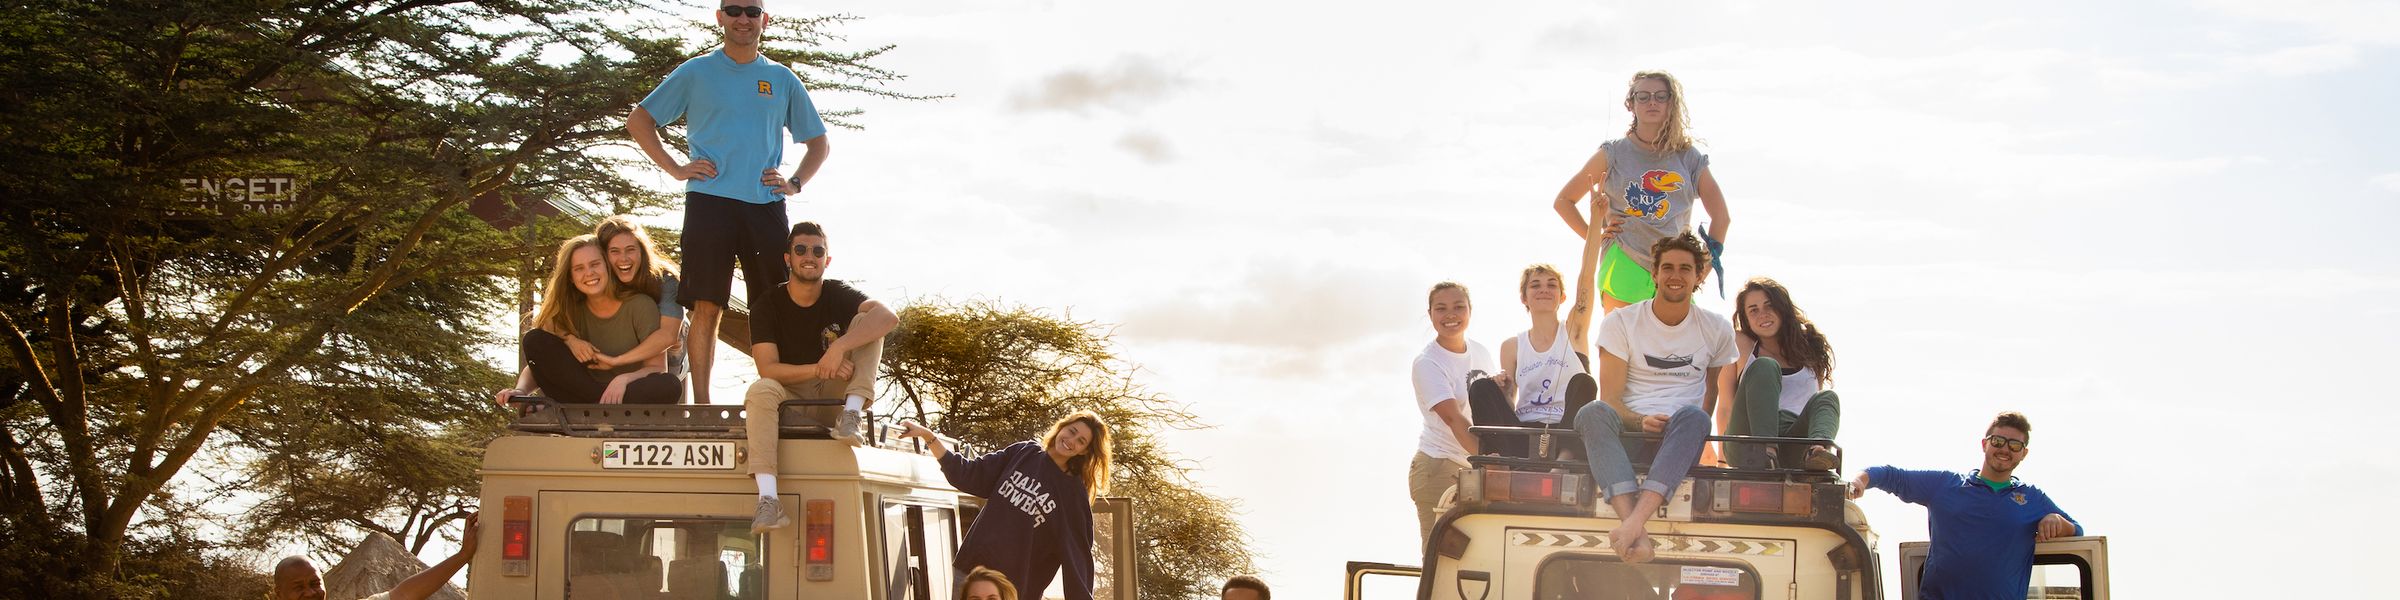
(1666, 543)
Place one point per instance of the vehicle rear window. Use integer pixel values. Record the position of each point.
(1599, 577)
(610, 558)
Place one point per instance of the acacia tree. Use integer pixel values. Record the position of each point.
(139, 320)
(991, 375)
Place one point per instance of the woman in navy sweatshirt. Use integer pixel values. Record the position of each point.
(1037, 514)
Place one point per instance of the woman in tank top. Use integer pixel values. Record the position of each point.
(1783, 387)
(1545, 371)
(1650, 178)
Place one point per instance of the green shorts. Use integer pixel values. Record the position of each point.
(1623, 279)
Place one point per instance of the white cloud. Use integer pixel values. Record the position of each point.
(1131, 83)
(2389, 182)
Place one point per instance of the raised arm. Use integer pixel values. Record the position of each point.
(429, 581)
(1587, 284)
(1583, 184)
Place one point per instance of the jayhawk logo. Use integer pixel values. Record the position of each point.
(1647, 196)
(765, 89)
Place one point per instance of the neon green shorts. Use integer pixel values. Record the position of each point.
(1623, 279)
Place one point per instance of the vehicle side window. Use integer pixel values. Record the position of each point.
(1600, 577)
(918, 546)
(610, 558)
(2058, 577)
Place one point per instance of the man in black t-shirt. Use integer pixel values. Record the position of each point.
(814, 338)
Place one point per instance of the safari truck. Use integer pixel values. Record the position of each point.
(1532, 527)
(651, 502)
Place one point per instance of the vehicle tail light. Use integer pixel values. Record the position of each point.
(1518, 486)
(1764, 497)
(516, 536)
(819, 544)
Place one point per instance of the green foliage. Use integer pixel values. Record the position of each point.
(991, 375)
(328, 356)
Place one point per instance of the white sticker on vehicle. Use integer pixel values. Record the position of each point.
(1712, 576)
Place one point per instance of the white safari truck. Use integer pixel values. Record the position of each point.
(651, 502)
(1528, 528)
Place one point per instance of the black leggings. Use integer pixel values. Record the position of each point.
(564, 379)
(1490, 406)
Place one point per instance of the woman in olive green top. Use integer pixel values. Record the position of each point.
(584, 301)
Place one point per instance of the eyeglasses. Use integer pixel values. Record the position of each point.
(804, 249)
(1997, 441)
(1645, 97)
(737, 11)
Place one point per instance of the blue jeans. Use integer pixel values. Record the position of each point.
(1687, 430)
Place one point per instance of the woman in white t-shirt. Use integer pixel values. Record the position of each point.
(1440, 375)
(1783, 387)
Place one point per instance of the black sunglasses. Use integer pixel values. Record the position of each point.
(743, 11)
(804, 249)
(1997, 440)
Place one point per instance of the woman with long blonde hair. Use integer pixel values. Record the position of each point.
(1650, 178)
(1037, 516)
(583, 300)
(639, 269)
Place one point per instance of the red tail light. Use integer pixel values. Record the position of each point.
(516, 536)
(1760, 497)
(1519, 486)
(820, 540)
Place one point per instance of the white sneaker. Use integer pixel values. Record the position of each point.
(845, 427)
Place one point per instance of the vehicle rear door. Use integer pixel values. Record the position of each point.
(2063, 569)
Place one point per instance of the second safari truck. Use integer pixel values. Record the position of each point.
(1531, 528)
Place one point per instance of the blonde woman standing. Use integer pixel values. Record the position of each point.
(1650, 178)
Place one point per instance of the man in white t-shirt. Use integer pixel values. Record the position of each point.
(1440, 376)
(1659, 364)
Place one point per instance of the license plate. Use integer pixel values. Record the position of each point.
(666, 455)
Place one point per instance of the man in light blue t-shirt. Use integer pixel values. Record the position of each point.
(736, 106)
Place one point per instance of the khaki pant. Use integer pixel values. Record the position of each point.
(766, 396)
(1428, 478)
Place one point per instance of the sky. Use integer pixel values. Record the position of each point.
(2157, 228)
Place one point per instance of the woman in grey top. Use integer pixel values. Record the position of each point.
(1651, 177)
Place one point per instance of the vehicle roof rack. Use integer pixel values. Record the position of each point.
(540, 415)
(545, 416)
(1567, 438)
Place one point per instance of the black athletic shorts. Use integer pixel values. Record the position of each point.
(716, 231)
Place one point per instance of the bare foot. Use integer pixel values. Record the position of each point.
(1632, 543)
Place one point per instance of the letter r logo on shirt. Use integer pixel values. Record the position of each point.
(764, 89)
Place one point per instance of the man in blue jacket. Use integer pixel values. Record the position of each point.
(1984, 523)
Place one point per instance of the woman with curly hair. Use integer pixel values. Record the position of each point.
(1784, 386)
(1651, 178)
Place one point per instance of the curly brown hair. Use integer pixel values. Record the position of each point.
(1799, 344)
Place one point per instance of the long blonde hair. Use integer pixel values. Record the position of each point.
(1091, 466)
(647, 276)
(1676, 136)
(561, 301)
